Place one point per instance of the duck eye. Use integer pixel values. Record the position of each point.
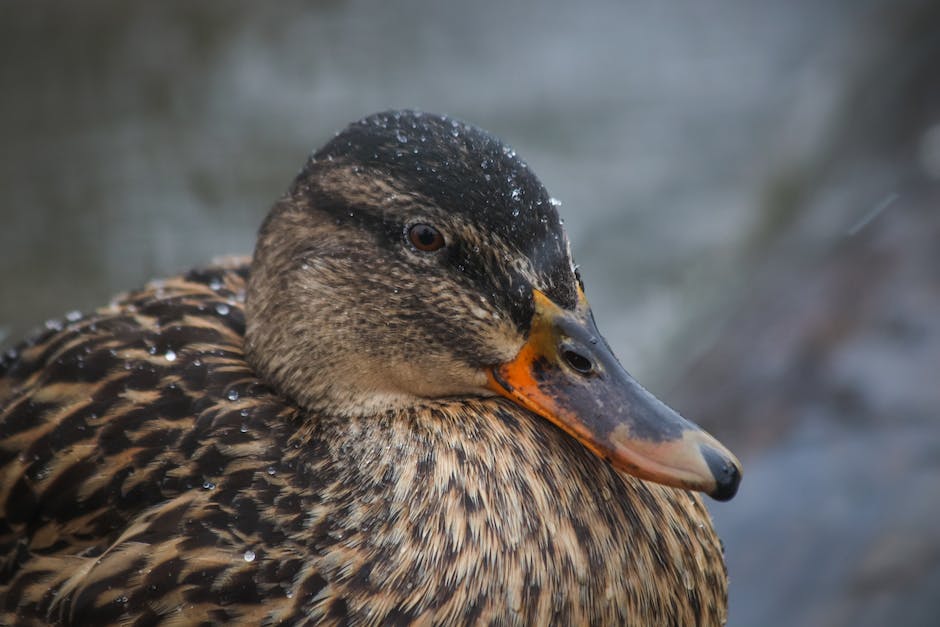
(425, 237)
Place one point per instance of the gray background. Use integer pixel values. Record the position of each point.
(750, 188)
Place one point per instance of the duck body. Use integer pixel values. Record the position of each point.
(149, 475)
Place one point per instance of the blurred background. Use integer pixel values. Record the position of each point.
(751, 189)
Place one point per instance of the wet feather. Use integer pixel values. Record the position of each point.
(148, 475)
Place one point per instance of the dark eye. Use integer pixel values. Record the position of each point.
(425, 237)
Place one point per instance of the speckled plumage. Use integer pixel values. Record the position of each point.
(149, 476)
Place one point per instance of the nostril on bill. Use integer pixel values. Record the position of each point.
(577, 361)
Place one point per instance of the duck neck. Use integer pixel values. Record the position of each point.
(483, 493)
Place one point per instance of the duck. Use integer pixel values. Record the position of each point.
(398, 410)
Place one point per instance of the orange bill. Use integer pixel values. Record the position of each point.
(568, 375)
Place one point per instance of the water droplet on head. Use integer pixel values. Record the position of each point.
(222, 309)
(208, 485)
(170, 356)
(73, 315)
(54, 325)
(249, 555)
(215, 284)
(232, 395)
(401, 137)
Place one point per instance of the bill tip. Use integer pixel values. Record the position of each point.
(726, 472)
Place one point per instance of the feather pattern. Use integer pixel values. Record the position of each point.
(150, 473)
(149, 477)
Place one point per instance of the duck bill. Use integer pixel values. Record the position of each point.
(567, 374)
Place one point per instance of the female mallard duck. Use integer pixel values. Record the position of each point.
(399, 411)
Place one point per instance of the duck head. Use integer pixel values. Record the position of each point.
(416, 257)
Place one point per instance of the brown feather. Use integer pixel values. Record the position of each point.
(336, 460)
(141, 494)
